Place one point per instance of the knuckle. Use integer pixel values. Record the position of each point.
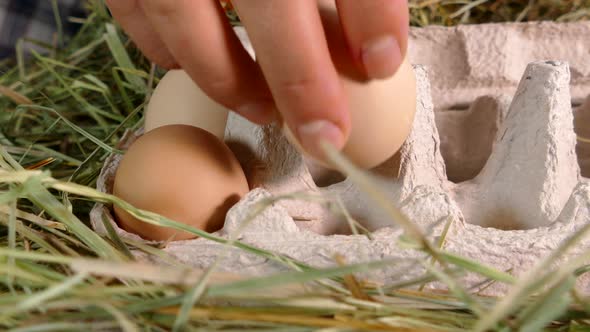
(303, 91)
(297, 86)
(163, 8)
(311, 95)
(221, 86)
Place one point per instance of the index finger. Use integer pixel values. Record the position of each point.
(292, 51)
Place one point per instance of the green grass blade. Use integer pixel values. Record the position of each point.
(191, 297)
(456, 289)
(477, 267)
(116, 239)
(548, 307)
(38, 299)
(122, 58)
(75, 127)
(525, 286)
(367, 184)
(125, 323)
(40, 196)
(20, 60)
(67, 327)
(295, 277)
(35, 256)
(58, 22)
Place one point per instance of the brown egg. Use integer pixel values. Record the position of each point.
(183, 173)
(381, 111)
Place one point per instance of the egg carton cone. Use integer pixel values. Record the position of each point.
(518, 195)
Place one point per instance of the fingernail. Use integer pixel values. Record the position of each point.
(259, 112)
(381, 57)
(312, 134)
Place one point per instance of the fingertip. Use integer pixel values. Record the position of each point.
(377, 34)
(381, 56)
(314, 134)
(260, 112)
(309, 134)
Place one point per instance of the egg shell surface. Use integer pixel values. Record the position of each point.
(183, 173)
(178, 100)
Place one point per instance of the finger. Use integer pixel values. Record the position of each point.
(377, 33)
(201, 39)
(291, 49)
(132, 19)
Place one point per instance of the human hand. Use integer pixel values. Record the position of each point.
(294, 77)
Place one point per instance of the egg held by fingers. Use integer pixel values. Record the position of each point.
(183, 173)
(381, 111)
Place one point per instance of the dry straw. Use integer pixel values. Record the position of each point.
(63, 112)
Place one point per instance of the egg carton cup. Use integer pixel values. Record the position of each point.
(523, 195)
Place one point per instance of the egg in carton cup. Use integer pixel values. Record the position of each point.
(182, 169)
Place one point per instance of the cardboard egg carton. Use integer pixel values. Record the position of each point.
(518, 195)
(469, 61)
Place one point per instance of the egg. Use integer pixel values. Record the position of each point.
(382, 111)
(178, 100)
(183, 173)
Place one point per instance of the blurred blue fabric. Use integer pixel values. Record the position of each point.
(34, 20)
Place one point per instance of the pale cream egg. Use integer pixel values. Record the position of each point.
(177, 99)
